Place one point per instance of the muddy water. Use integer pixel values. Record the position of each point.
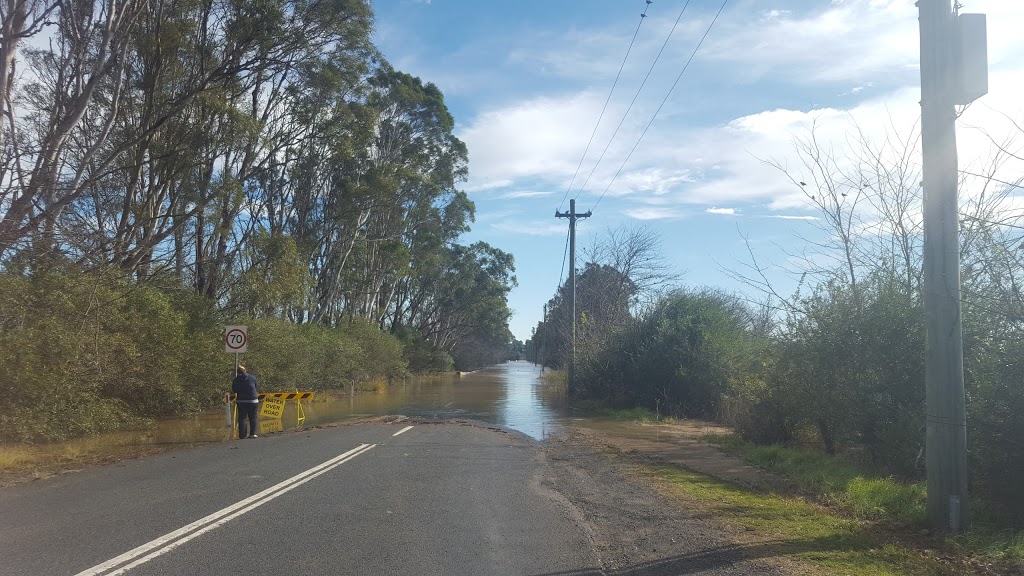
(510, 395)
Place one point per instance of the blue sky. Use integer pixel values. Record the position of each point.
(526, 81)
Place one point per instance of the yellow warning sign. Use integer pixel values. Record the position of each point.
(272, 407)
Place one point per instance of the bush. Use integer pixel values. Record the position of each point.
(287, 356)
(850, 366)
(422, 356)
(81, 354)
(679, 360)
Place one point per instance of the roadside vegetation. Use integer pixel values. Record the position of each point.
(183, 166)
(774, 526)
(836, 368)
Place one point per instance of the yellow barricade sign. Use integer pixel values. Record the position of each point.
(272, 407)
(286, 395)
(281, 395)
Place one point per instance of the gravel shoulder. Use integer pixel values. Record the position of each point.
(635, 529)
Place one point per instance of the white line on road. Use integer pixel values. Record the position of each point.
(168, 541)
(406, 429)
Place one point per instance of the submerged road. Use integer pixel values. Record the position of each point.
(366, 499)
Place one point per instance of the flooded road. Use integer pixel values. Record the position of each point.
(510, 395)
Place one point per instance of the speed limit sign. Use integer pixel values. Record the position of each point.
(235, 339)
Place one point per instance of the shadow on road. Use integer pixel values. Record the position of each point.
(727, 556)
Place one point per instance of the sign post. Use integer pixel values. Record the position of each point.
(236, 341)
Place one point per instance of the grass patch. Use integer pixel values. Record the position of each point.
(558, 378)
(783, 526)
(1001, 547)
(834, 482)
(635, 414)
(15, 459)
(860, 496)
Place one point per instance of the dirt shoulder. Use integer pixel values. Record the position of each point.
(656, 499)
(634, 528)
(680, 444)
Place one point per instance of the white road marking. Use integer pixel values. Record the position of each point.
(406, 429)
(168, 541)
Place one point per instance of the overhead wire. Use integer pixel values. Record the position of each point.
(600, 117)
(656, 112)
(635, 96)
(561, 274)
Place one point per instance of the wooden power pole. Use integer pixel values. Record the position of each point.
(953, 71)
(572, 216)
(543, 339)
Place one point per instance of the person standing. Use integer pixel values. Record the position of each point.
(247, 402)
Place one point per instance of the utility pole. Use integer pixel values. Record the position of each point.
(945, 78)
(543, 339)
(572, 216)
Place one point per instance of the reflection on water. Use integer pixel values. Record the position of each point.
(510, 395)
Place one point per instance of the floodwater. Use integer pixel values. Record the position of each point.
(510, 395)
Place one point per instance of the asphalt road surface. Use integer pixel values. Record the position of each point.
(433, 499)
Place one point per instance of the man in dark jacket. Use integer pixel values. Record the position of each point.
(247, 402)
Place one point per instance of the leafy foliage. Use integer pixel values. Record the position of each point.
(679, 359)
(84, 354)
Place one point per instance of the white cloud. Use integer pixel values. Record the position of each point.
(852, 40)
(533, 228)
(723, 211)
(787, 217)
(651, 214)
(525, 194)
(544, 137)
(480, 186)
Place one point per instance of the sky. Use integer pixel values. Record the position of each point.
(527, 80)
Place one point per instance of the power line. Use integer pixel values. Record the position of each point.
(656, 112)
(635, 96)
(993, 179)
(607, 100)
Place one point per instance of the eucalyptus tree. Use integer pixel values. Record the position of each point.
(161, 115)
(466, 302)
(19, 20)
(406, 182)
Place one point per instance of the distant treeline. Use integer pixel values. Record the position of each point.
(173, 166)
(839, 364)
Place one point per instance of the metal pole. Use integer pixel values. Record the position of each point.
(946, 416)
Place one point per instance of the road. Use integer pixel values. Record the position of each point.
(435, 499)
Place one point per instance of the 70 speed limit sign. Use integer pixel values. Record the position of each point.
(235, 339)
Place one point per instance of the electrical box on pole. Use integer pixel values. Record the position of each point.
(971, 78)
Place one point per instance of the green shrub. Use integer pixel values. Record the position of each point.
(422, 356)
(81, 354)
(287, 356)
